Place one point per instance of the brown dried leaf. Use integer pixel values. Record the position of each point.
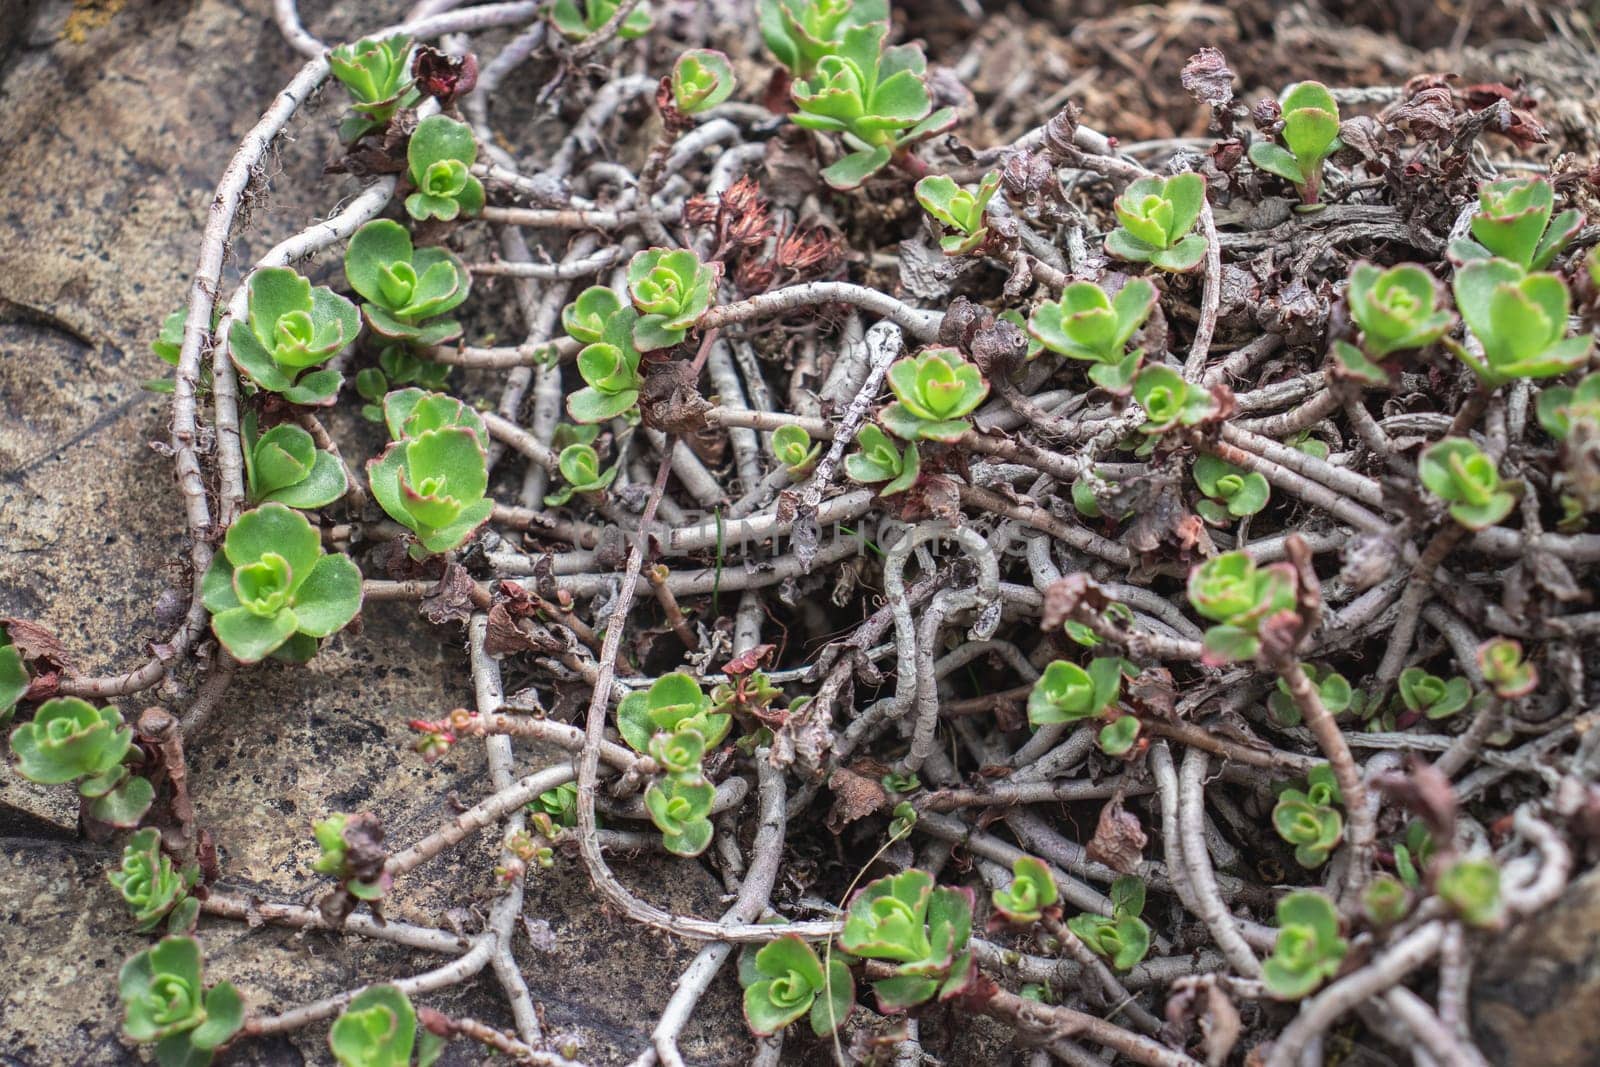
(855, 797)
(451, 600)
(1206, 77)
(1119, 839)
(37, 644)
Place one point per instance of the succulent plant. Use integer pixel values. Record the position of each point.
(1508, 674)
(1397, 309)
(792, 447)
(155, 890)
(1311, 134)
(1065, 692)
(958, 210)
(673, 703)
(439, 159)
(1333, 689)
(292, 328)
(671, 288)
(680, 807)
(785, 980)
(272, 587)
(1169, 401)
(1520, 319)
(1456, 471)
(167, 1004)
(71, 740)
(413, 412)
(585, 318)
(1232, 591)
(433, 484)
(1031, 893)
(921, 928)
(878, 459)
(284, 466)
(1432, 696)
(378, 1028)
(344, 848)
(1308, 819)
(935, 392)
(701, 79)
(404, 286)
(1513, 223)
(610, 369)
(577, 19)
(1309, 949)
(1385, 900)
(1087, 325)
(14, 681)
(799, 33)
(376, 72)
(1122, 939)
(580, 466)
(1471, 886)
(1155, 217)
(397, 367)
(1230, 492)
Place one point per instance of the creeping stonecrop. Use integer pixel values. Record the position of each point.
(580, 466)
(375, 71)
(671, 288)
(785, 979)
(1230, 492)
(934, 393)
(920, 928)
(1397, 310)
(71, 740)
(701, 79)
(1308, 819)
(1123, 938)
(1169, 401)
(167, 1004)
(1237, 595)
(1501, 663)
(284, 466)
(290, 329)
(610, 370)
(1309, 949)
(1030, 895)
(873, 96)
(155, 890)
(1520, 320)
(1087, 325)
(878, 459)
(799, 33)
(1513, 223)
(1155, 217)
(1456, 471)
(378, 1028)
(1471, 886)
(432, 481)
(958, 210)
(673, 703)
(680, 807)
(439, 159)
(578, 19)
(403, 285)
(1065, 692)
(1431, 696)
(272, 589)
(1311, 134)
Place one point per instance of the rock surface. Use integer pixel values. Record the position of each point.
(109, 149)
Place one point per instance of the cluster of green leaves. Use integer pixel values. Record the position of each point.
(14, 680)
(560, 804)
(701, 79)
(378, 1028)
(671, 288)
(71, 740)
(376, 72)
(284, 466)
(799, 33)
(1333, 689)
(1154, 218)
(577, 19)
(1456, 471)
(1564, 409)
(1397, 310)
(1031, 894)
(1087, 325)
(1501, 663)
(166, 1003)
(1471, 886)
(292, 328)
(958, 210)
(405, 288)
(1431, 696)
(1123, 938)
(934, 392)
(397, 367)
(920, 928)
(1311, 134)
(608, 361)
(1513, 222)
(273, 591)
(1237, 595)
(1230, 492)
(1169, 401)
(1385, 900)
(1519, 319)
(439, 159)
(1066, 692)
(1413, 856)
(792, 447)
(1308, 820)
(785, 979)
(153, 887)
(878, 459)
(580, 466)
(675, 723)
(1309, 948)
(872, 96)
(333, 859)
(433, 476)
